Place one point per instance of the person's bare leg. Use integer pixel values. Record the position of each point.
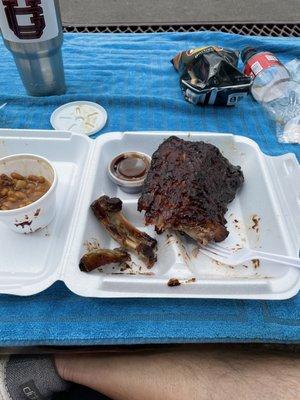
(187, 375)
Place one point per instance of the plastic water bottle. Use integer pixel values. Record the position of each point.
(282, 102)
(265, 69)
(276, 91)
(32, 31)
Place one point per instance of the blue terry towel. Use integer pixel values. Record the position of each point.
(132, 77)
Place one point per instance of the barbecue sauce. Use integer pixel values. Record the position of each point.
(130, 166)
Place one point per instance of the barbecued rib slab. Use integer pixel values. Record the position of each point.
(188, 188)
(108, 211)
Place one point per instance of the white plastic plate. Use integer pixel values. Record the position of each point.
(31, 263)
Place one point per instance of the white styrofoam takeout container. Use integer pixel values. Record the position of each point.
(40, 213)
(271, 193)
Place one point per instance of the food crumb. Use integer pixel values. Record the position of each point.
(195, 251)
(124, 267)
(218, 263)
(173, 282)
(255, 219)
(255, 263)
(236, 224)
(237, 247)
(91, 245)
(191, 280)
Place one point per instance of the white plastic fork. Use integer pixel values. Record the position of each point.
(239, 256)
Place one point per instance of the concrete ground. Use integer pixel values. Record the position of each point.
(155, 12)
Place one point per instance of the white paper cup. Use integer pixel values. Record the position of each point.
(40, 213)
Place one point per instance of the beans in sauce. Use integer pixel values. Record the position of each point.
(18, 191)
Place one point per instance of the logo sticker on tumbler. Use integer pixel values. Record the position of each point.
(33, 10)
(28, 20)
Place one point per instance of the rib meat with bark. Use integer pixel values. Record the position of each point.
(188, 188)
(108, 211)
(100, 257)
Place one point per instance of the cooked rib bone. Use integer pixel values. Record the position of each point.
(100, 257)
(188, 188)
(108, 212)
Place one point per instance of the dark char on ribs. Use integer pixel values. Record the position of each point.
(188, 188)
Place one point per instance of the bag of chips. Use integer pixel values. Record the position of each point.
(209, 75)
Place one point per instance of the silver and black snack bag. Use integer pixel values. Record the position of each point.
(209, 75)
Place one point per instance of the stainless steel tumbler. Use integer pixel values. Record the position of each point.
(32, 31)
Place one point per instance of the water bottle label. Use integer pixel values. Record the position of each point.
(259, 62)
(28, 20)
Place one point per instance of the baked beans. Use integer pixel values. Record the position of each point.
(18, 191)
